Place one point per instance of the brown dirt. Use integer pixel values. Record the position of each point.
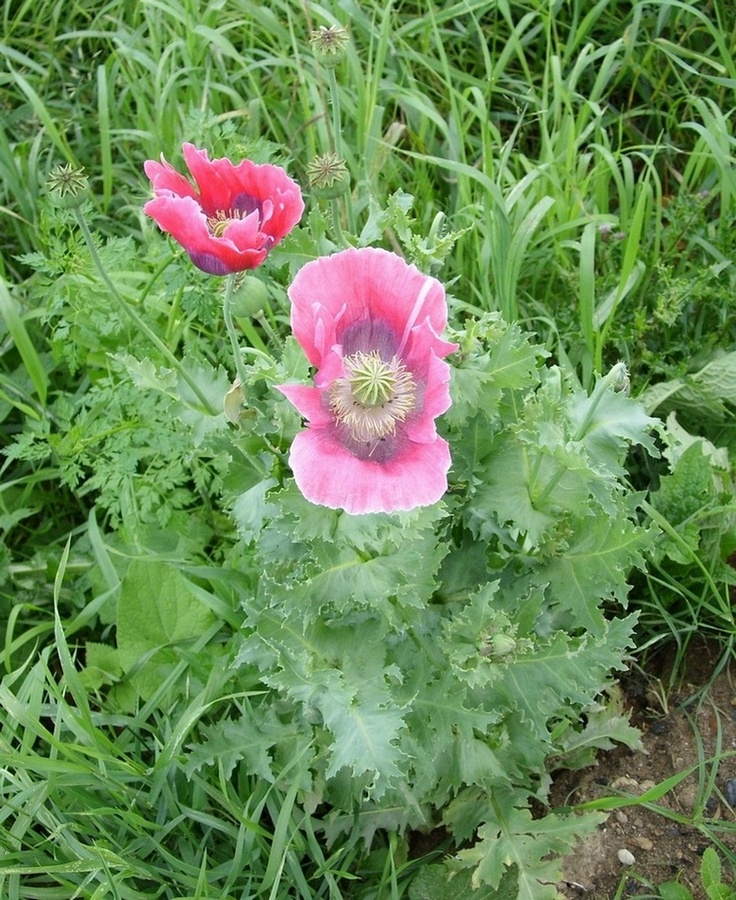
(682, 727)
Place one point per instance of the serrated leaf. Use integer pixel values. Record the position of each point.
(366, 727)
(147, 375)
(605, 726)
(710, 869)
(229, 742)
(562, 675)
(448, 733)
(514, 360)
(393, 816)
(471, 389)
(436, 882)
(594, 567)
(510, 837)
(213, 384)
(249, 509)
(321, 669)
(607, 423)
(505, 499)
(500, 358)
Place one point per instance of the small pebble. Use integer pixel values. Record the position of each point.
(731, 791)
(622, 817)
(643, 843)
(626, 857)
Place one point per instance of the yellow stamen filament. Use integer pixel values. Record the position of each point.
(221, 219)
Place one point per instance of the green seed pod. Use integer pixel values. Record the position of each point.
(67, 186)
(329, 44)
(328, 176)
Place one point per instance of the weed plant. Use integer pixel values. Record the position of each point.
(566, 169)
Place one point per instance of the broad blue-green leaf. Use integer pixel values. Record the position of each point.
(495, 357)
(248, 739)
(688, 490)
(561, 675)
(158, 617)
(249, 509)
(607, 423)
(365, 725)
(436, 882)
(594, 567)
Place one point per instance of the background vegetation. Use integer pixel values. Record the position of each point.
(567, 164)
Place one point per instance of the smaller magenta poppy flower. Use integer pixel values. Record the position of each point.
(371, 325)
(233, 214)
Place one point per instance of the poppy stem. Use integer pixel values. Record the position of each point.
(337, 147)
(227, 315)
(138, 321)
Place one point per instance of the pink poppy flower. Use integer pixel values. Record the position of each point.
(234, 215)
(370, 324)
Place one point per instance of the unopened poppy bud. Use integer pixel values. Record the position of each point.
(67, 185)
(233, 403)
(250, 298)
(329, 44)
(619, 378)
(502, 644)
(328, 176)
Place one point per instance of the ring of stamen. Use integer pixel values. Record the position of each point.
(372, 396)
(221, 219)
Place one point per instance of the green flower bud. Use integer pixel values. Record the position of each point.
(250, 297)
(233, 403)
(502, 644)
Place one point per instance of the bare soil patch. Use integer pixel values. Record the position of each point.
(681, 729)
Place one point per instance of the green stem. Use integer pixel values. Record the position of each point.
(336, 117)
(337, 147)
(337, 224)
(540, 498)
(138, 321)
(227, 314)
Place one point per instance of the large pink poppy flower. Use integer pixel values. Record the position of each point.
(371, 325)
(234, 215)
